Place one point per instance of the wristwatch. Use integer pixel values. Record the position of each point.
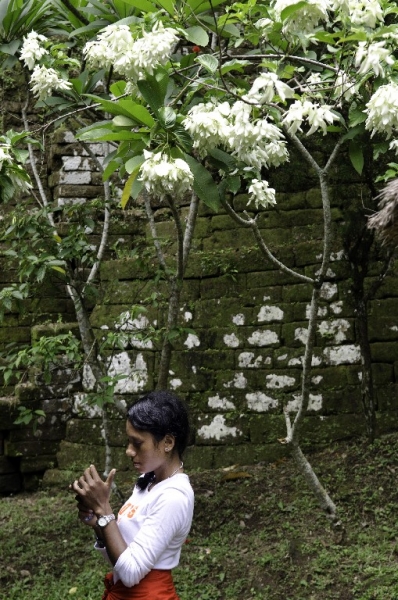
(103, 520)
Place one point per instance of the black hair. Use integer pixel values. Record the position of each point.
(161, 413)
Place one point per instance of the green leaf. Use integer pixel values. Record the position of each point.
(226, 161)
(204, 185)
(356, 156)
(290, 10)
(126, 195)
(122, 121)
(167, 117)
(133, 163)
(168, 5)
(209, 62)
(154, 91)
(197, 35)
(142, 5)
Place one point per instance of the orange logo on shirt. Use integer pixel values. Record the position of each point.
(131, 508)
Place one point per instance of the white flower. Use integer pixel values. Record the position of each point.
(265, 26)
(370, 58)
(382, 110)
(393, 146)
(31, 50)
(208, 125)
(318, 116)
(5, 156)
(360, 12)
(261, 194)
(44, 81)
(131, 58)
(162, 175)
(266, 86)
(344, 86)
(305, 19)
(294, 117)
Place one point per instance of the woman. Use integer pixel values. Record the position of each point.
(143, 543)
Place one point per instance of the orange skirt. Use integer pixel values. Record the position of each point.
(157, 585)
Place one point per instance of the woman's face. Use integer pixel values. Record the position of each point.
(143, 450)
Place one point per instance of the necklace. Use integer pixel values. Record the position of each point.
(153, 481)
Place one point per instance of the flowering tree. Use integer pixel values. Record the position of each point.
(207, 99)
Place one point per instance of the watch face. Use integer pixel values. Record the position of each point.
(102, 521)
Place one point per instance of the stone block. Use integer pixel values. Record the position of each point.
(58, 479)
(266, 429)
(19, 335)
(53, 329)
(199, 457)
(127, 269)
(10, 483)
(386, 422)
(29, 448)
(382, 374)
(223, 286)
(384, 352)
(8, 412)
(89, 431)
(382, 329)
(67, 191)
(8, 465)
(387, 397)
(242, 454)
(37, 464)
(77, 457)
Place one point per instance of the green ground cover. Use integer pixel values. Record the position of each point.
(258, 534)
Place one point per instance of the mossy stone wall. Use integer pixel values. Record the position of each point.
(238, 361)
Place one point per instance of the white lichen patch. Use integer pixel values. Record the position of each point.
(194, 369)
(322, 311)
(336, 307)
(301, 334)
(247, 360)
(175, 383)
(263, 338)
(220, 403)
(328, 290)
(259, 402)
(339, 355)
(314, 403)
(82, 407)
(317, 380)
(128, 324)
(336, 255)
(329, 273)
(270, 313)
(217, 429)
(335, 330)
(88, 378)
(231, 340)
(192, 341)
(282, 357)
(279, 381)
(188, 316)
(295, 362)
(394, 328)
(133, 376)
(239, 381)
(238, 319)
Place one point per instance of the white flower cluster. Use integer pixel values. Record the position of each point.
(163, 176)
(130, 57)
(318, 116)
(360, 12)
(258, 142)
(261, 194)
(369, 58)
(5, 157)
(305, 19)
(31, 50)
(208, 125)
(44, 81)
(266, 86)
(382, 110)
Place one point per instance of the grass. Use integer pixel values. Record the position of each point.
(256, 537)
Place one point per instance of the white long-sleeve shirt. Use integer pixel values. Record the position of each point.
(154, 525)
